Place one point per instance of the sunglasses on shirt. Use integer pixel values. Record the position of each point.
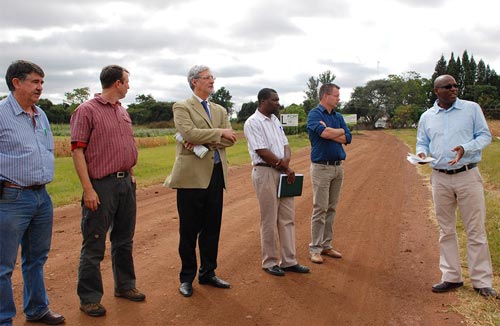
(449, 86)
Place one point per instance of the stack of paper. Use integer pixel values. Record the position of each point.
(415, 159)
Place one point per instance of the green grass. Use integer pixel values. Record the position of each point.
(476, 310)
(153, 166)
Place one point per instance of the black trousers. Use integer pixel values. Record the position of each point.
(116, 213)
(200, 215)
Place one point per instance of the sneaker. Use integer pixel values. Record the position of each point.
(331, 253)
(316, 258)
(93, 309)
(132, 294)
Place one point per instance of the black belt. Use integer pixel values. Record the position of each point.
(462, 169)
(264, 164)
(328, 162)
(7, 184)
(119, 175)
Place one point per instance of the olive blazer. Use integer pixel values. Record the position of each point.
(193, 123)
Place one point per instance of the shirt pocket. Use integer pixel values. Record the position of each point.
(46, 138)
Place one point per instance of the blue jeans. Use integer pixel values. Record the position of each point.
(26, 218)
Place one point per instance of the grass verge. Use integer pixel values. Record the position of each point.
(475, 309)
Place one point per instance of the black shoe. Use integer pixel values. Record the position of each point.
(297, 269)
(215, 281)
(446, 286)
(50, 318)
(274, 270)
(186, 289)
(487, 292)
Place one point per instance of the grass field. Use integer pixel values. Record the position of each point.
(153, 166)
(476, 310)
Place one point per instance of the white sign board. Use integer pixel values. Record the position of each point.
(289, 120)
(350, 118)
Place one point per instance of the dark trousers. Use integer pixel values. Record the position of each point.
(200, 215)
(117, 213)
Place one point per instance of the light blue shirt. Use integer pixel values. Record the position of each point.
(440, 130)
(26, 149)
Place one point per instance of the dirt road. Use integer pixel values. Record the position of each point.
(382, 228)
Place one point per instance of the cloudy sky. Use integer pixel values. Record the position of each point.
(248, 44)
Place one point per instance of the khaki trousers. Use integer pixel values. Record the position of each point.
(465, 191)
(326, 183)
(277, 219)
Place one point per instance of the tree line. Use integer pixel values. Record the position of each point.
(400, 99)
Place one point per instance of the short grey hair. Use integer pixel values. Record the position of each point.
(194, 73)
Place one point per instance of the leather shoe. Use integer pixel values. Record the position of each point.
(446, 286)
(274, 270)
(215, 281)
(50, 318)
(487, 292)
(297, 269)
(186, 289)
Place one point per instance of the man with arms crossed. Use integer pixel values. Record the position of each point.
(327, 133)
(104, 154)
(200, 181)
(270, 154)
(454, 132)
(26, 212)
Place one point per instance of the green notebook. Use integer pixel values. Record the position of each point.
(290, 190)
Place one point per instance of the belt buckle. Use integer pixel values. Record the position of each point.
(120, 175)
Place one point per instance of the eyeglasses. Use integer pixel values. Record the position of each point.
(206, 77)
(449, 86)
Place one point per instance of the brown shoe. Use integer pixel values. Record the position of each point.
(331, 253)
(132, 295)
(316, 258)
(93, 309)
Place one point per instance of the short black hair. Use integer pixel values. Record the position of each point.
(21, 69)
(110, 74)
(265, 94)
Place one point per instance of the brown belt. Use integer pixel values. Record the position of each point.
(7, 184)
(264, 164)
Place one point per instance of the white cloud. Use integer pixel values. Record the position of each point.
(248, 45)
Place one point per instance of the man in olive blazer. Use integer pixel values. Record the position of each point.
(200, 181)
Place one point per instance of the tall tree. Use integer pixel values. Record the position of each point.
(312, 89)
(439, 69)
(326, 77)
(77, 96)
(223, 97)
(481, 73)
(247, 109)
(453, 68)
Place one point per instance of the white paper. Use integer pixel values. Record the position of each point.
(199, 150)
(415, 159)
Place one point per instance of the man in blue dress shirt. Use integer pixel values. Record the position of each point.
(328, 133)
(26, 165)
(454, 132)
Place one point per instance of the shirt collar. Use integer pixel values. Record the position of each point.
(263, 117)
(200, 99)
(323, 109)
(98, 97)
(17, 108)
(459, 105)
